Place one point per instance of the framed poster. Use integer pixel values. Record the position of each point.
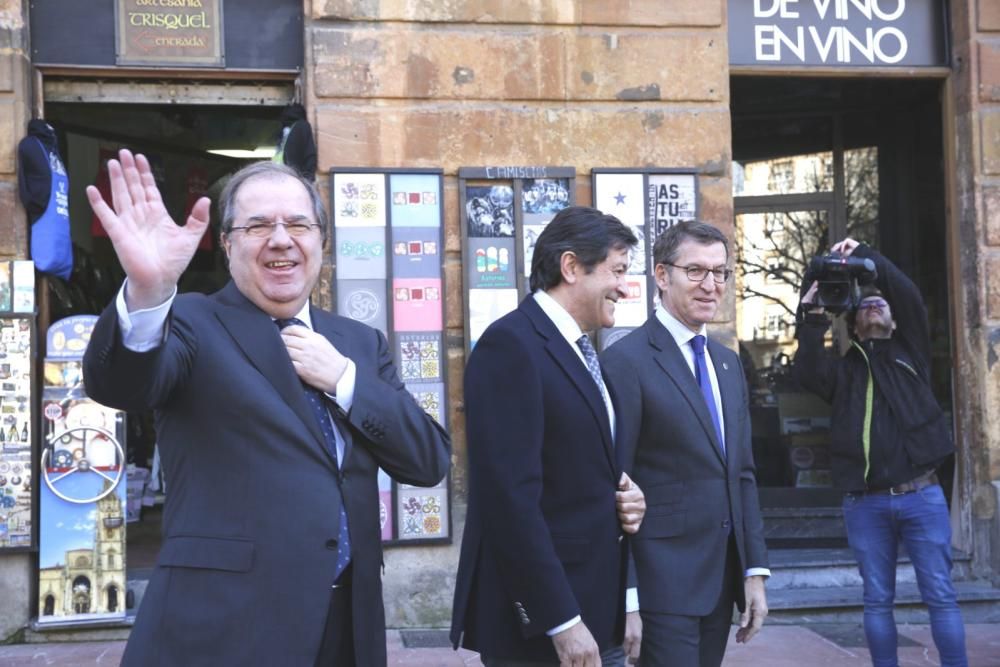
(5, 288)
(649, 201)
(23, 286)
(18, 514)
(388, 241)
(502, 212)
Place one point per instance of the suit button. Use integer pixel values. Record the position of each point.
(726, 524)
(524, 620)
(331, 544)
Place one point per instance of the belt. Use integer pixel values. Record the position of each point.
(925, 480)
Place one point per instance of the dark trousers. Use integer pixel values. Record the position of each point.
(337, 647)
(672, 640)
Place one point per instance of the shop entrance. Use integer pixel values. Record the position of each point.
(193, 149)
(815, 160)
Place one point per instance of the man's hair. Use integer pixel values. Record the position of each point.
(864, 292)
(667, 246)
(587, 233)
(227, 200)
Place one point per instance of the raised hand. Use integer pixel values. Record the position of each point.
(151, 247)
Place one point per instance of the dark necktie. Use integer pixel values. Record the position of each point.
(593, 365)
(317, 402)
(701, 375)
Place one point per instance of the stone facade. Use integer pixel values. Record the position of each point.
(17, 570)
(976, 266)
(580, 83)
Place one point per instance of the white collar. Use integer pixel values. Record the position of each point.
(303, 315)
(681, 334)
(560, 317)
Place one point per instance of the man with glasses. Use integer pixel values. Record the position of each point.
(685, 419)
(888, 435)
(272, 418)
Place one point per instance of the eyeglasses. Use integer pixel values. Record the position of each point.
(873, 304)
(697, 273)
(260, 230)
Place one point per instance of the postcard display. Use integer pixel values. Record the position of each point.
(389, 253)
(17, 352)
(82, 491)
(503, 210)
(650, 201)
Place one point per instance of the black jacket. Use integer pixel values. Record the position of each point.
(34, 181)
(299, 147)
(906, 412)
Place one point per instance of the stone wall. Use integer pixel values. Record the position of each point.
(454, 83)
(976, 99)
(15, 97)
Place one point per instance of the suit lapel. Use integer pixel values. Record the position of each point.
(669, 358)
(326, 325)
(574, 368)
(256, 334)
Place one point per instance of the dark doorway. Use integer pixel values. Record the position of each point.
(193, 149)
(816, 160)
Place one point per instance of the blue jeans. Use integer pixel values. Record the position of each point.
(876, 524)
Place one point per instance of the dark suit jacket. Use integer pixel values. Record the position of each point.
(542, 538)
(694, 496)
(251, 517)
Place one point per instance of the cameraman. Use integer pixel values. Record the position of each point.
(888, 434)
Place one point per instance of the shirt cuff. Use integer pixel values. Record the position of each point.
(344, 397)
(758, 572)
(631, 600)
(565, 626)
(142, 330)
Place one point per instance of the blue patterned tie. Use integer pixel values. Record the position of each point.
(701, 375)
(593, 365)
(317, 403)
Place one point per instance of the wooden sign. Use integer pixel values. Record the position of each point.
(170, 32)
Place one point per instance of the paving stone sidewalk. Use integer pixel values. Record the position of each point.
(815, 645)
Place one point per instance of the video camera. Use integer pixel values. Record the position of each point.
(839, 278)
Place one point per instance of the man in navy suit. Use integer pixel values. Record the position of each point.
(541, 578)
(685, 419)
(272, 418)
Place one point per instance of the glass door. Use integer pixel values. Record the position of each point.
(788, 211)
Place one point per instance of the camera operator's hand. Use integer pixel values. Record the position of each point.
(845, 247)
(810, 296)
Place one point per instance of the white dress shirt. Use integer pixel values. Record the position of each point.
(682, 336)
(143, 330)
